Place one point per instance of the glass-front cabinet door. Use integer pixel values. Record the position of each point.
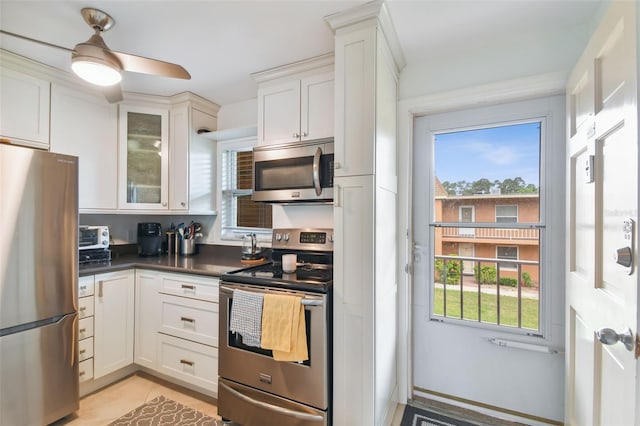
(143, 153)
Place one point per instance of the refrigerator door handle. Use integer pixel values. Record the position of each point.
(100, 285)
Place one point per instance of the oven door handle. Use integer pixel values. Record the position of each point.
(265, 405)
(306, 302)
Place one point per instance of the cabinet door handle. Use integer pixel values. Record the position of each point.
(100, 285)
(185, 362)
(296, 135)
(305, 134)
(183, 203)
(83, 308)
(82, 351)
(81, 373)
(82, 330)
(189, 287)
(336, 165)
(164, 204)
(185, 319)
(83, 287)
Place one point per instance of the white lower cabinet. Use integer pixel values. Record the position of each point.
(177, 326)
(189, 319)
(165, 322)
(188, 361)
(147, 318)
(114, 321)
(85, 328)
(85, 370)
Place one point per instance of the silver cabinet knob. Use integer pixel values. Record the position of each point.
(609, 336)
(183, 204)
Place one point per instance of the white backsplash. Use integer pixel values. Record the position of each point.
(304, 216)
(123, 229)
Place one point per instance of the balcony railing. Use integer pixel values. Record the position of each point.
(490, 233)
(499, 291)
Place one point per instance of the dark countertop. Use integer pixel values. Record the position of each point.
(211, 261)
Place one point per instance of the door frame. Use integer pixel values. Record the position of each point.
(408, 109)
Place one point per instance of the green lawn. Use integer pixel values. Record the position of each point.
(489, 308)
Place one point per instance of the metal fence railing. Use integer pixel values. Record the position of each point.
(498, 291)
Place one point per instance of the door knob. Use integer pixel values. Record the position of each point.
(609, 336)
(623, 256)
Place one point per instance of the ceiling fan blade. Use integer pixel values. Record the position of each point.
(150, 66)
(112, 93)
(35, 41)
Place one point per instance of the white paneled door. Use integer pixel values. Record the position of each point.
(602, 277)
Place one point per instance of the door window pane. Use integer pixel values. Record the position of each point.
(487, 210)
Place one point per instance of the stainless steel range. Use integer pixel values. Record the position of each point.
(256, 389)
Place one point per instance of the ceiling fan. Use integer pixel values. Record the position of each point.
(94, 62)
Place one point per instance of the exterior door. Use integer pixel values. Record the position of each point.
(602, 294)
(467, 250)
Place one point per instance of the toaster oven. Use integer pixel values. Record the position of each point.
(93, 237)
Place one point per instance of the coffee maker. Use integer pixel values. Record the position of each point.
(149, 239)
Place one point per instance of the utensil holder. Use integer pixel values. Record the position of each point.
(188, 247)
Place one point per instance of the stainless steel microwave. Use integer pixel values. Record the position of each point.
(300, 172)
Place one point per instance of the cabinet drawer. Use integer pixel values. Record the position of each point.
(85, 370)
(190, 319)
(85, 286)
(188, 361)
(85, 307)
(85, 349)
(201, 289)
(85, 328)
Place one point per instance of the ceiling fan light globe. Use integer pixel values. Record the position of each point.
(95, 72)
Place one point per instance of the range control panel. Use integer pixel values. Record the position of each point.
(316, 239)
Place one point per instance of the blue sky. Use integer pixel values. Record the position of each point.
(494, 153)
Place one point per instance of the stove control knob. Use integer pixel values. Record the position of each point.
(278, 237)
(286, 237)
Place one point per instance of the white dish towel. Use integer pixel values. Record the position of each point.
(246, 316)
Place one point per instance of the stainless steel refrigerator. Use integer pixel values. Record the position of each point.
(38, 286)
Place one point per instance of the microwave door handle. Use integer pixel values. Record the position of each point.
(316, 171)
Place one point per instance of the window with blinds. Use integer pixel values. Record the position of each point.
(238, 213)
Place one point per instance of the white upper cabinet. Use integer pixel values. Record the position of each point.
(93, 139)
(192, 157)
(143, 177)
(24, 108)
(279, 113)
(316, 106)
(295, 102)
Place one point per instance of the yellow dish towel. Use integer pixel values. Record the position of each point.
(283, 327)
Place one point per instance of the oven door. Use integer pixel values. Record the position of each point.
(248, 406)
(305, 382)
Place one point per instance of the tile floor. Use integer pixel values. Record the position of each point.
(108, 404)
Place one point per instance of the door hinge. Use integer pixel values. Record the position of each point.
(407, 268)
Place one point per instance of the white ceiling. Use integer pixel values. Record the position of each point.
(222, 42)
